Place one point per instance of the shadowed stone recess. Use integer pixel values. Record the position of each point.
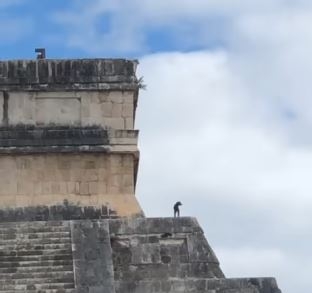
(32, 136)
(56, 212)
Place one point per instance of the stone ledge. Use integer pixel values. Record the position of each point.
(155, 225)
(63, 211)
(51, 74)
(28, 138)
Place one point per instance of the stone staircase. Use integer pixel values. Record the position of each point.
(36, 258)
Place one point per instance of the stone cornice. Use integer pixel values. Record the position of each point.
(75, 74)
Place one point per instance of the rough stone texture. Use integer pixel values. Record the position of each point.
(92, 256)
(35, 139)
(68, 74)
(170, 255)
(65, 211)
(83, 179)
(144, 255)
(66, 133)
(36, 257)
(106, 108)
(52, 136)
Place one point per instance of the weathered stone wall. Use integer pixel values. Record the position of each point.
(47, 74)
(82, 179)
(112, 109)
(146, 255)
(152, 255)
(67, 134)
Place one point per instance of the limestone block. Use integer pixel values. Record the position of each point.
(115, 161)
(116, 97)
(128, 123)
(145, 253)
(90, 164)
(96, 114)
(38, 188)
(106, 109)
(63, 174)
(58, 94)
(102, 161)
(127, 180)
(76, 174)
(46, 188)
(112, 189)
(55, 187)
(7, 163)
(127, 110)
(21, 108)
(103, 96)
(49, 174)
(115, 180)
(85, 110)
(93, 187)
(84, 188)
(127, 161)
(8, 201)
(72, 187)
(8, 187)
(102, 187)
(116, 123)
(55, 110)
(25, 187)
(93, 200)
(117, 110)
(64, 162)
(127, 97)
(23, 200)
(90, 175)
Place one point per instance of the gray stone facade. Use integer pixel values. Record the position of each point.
(143, 255)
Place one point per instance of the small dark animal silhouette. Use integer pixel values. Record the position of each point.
(176, 209)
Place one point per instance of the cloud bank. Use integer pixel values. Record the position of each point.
(209, 140)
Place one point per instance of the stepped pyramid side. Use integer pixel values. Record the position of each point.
(152, 255)
(69, 219)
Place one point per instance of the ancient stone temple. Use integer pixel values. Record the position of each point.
(67, 134)
(69, 219)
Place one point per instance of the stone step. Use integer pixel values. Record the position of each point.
(37, 286)
(4, 253)
(34, 224)
(37, 258)
(32, 246)
(11, 264)
(15, 277)
(31, 236)
(34, 281)
(41, 291)
(31, 229)
(36, 241)
(35, 269)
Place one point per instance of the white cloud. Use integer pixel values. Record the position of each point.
(207, 139)
(101, 26)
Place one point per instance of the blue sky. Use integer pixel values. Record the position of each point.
(227, 111)
(51, 24)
